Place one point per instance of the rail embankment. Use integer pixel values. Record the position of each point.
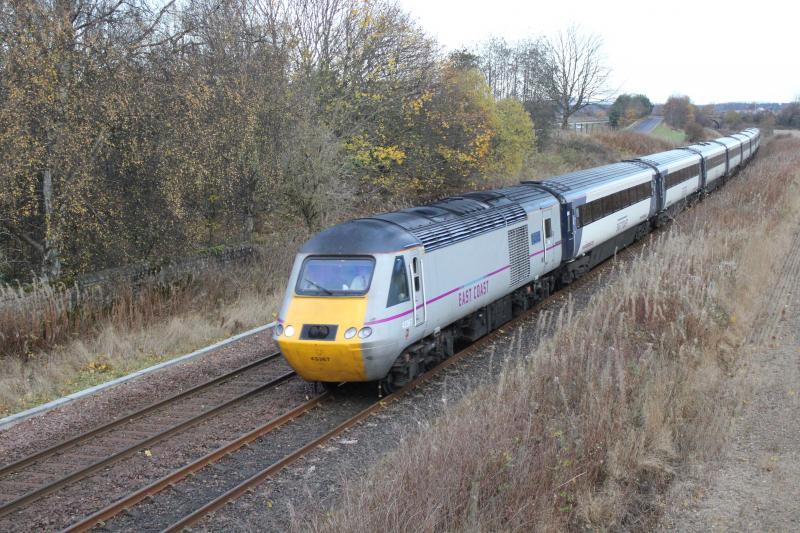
(590, 430)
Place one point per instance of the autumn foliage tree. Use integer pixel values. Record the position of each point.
(627, 108)
(789, 115)
(681, 113)
(678, 111)
(141, 130)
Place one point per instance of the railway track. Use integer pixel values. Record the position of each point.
(187, 495)
(31, 478)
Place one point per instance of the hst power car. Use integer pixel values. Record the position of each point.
(386, 297)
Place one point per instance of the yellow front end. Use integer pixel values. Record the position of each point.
(329, 360)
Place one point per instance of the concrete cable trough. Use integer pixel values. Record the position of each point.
(23, 415)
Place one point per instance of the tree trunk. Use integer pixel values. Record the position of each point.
(51, 261)
(249, 221)
(566, 114)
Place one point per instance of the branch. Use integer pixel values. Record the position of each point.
(136, 42)
(21, 235)
(99, 18)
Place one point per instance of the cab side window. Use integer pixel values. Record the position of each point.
(398, 288)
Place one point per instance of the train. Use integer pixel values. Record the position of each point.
(387, 297)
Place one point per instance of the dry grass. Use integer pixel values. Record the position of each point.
(575, 151)
(50, 350)
(631, 144)
(589, 428)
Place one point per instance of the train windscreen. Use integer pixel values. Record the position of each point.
(333, 276)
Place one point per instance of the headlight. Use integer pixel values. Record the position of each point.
(365, 332)
(279, 330)
(289, 331)
(350, 333)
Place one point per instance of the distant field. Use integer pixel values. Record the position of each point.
(663, 131)
(796, 133)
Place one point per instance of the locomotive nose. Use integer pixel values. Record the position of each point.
(322, 346)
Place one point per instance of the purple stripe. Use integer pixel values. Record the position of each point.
(382, 320)
(448, 293)
(451, 291)
(556, 245)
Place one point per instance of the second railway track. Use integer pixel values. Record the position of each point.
(51, 470)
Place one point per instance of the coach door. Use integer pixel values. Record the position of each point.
(418, 288)
(548, 224)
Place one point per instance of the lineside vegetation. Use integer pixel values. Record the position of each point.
(586, 431)
(50, 347)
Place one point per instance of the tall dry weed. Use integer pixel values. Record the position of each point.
(631, 144)
(586, 431)
(53, 344)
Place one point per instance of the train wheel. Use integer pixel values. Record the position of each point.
(386, 386)
(330, 386)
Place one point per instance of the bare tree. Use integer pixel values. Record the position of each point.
(578, 73)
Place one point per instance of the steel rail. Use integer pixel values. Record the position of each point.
(248, 484)
(94, 467)
(61, 446)
(169, 480)
(127, 502)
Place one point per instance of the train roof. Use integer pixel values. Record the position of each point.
(593, 178)
(441, 223)
(671, 157)
(729, 141)
(707, 148)
(458, 218)
(360, 237)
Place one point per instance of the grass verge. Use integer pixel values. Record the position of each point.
(131, 329)
(588, 430)
(574, 151)
(664, 132)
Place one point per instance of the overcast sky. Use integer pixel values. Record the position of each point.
(714, 51)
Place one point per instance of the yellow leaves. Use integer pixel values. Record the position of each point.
(97, 367)
(376, 157)
(148, 453)
(385, 155)
(416, 105)
(514, 139)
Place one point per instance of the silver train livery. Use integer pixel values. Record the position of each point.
(387, 297)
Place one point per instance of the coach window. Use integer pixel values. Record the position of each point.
(398, 288)
(548, 228)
